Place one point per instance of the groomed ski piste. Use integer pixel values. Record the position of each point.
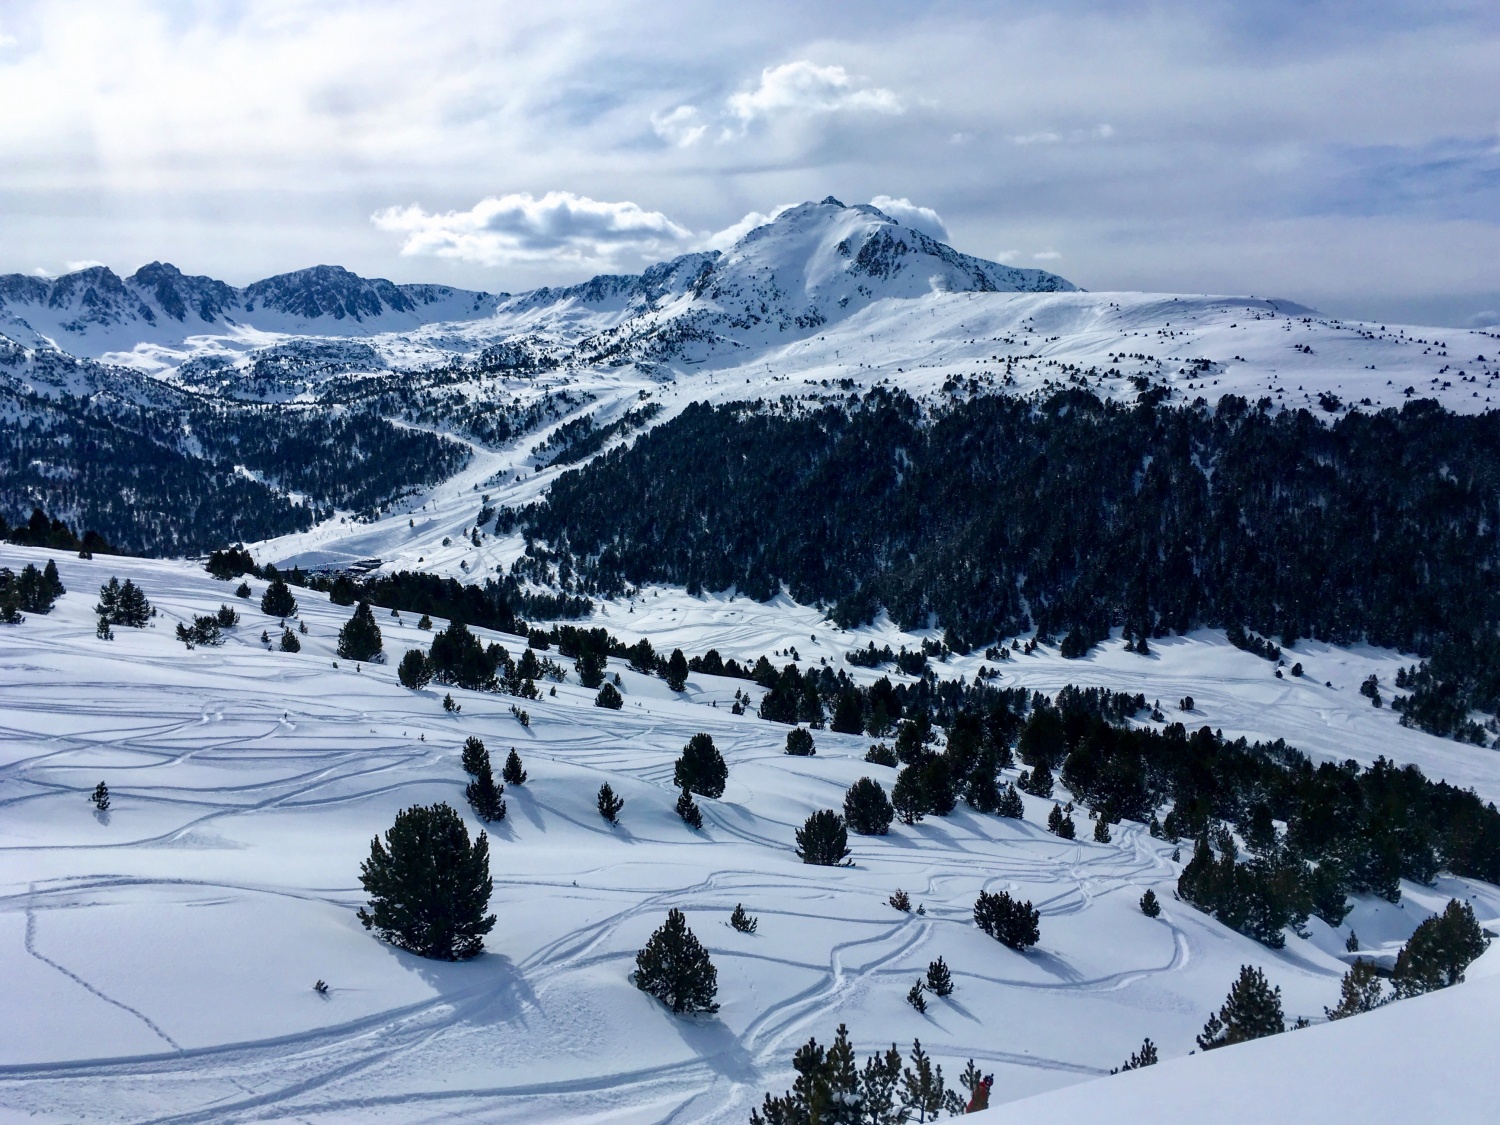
(160, 956)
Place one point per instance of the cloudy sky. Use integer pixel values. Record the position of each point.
(1343, 153)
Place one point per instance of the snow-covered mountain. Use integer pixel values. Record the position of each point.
(94, 311)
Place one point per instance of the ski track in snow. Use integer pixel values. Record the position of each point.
(165, 949)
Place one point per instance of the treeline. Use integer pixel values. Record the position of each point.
(1070, 516)
(44, 531)
(162, 480)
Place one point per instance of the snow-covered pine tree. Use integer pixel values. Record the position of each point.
(922, 1085)
(474, 758)
(742, 921)
(701, 767)
(939, 978)
(1252, 1010)
(676, 969)
(609, 804)
(429, 886)
(360, 639)
(1011, 804)
(867, 809)
(823, 840)
(1361, 990)
(687, 808)
(1438, 951)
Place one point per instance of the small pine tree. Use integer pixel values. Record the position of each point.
(415, 670)
(688, 809)
(609, 804)
(1252, 1010)
(677, 671)
(1009, 921)
(242, 590)
(743, 921)
(1438, 951)
(940, 978)
(799, 743)
(1146, 1056)
(1011, 804)
(425, 623)
(1150, 907)
(901, 901)
(867, 809)
(103, 631)
(907, 795)
(429, 886)
(823, 840)
(609, 697)
(513, 773)
(701, 767)
(227, 617)
(915, 998)
(882, 755)
(475, 758)
(100, 797)
(360, 639)
(676, 969)
(1101, 829)
(922, 1085)
(449, 705)
(1060, 823)
(289, 641)
(1037, 782)
(1361, 990)
(485, 797)
(278, 600)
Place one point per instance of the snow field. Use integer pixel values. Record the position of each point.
(162, 954)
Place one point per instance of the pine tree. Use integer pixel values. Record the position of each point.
(429, 886)
(915, 998)
(590, 666)
(1037, 782)
(907, 795)
(688, 809)
(103, 631)
(609, 804)
(1252, 1010)
(100, 797)
(609, 697)
(701, 767)
(1101, 829)
(823, 840)
(1011, 804)
(1146, 1056)
(425, 623)
(1007, 920)
(242, 590)
(227, 617)
(1361, 990)
(922, 1085)
(677, 671)
(359, 639)
(1060, 823)
(1150, 907)
(109, 600)
(289, 641)
(867, 809)
(799, 743)
(901, 901)
(278, 601)
(1438, 951)
(513, 773)
(485, 797)
(939, 978)
(475, 758)
(675, 968)
(743, 921)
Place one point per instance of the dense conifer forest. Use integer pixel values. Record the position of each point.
(1071, 515)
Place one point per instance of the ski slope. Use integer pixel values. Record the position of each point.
(163, 953)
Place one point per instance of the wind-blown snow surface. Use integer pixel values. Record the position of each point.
(161, 956)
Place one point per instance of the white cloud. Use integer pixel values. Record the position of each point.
(1037, 139)
(1005, 256)
(803, 87)
(682, 126)
(67, 268)
(1100, 132)
(1047, 256)
(558, 227)
(907, 213)
(724, 239)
